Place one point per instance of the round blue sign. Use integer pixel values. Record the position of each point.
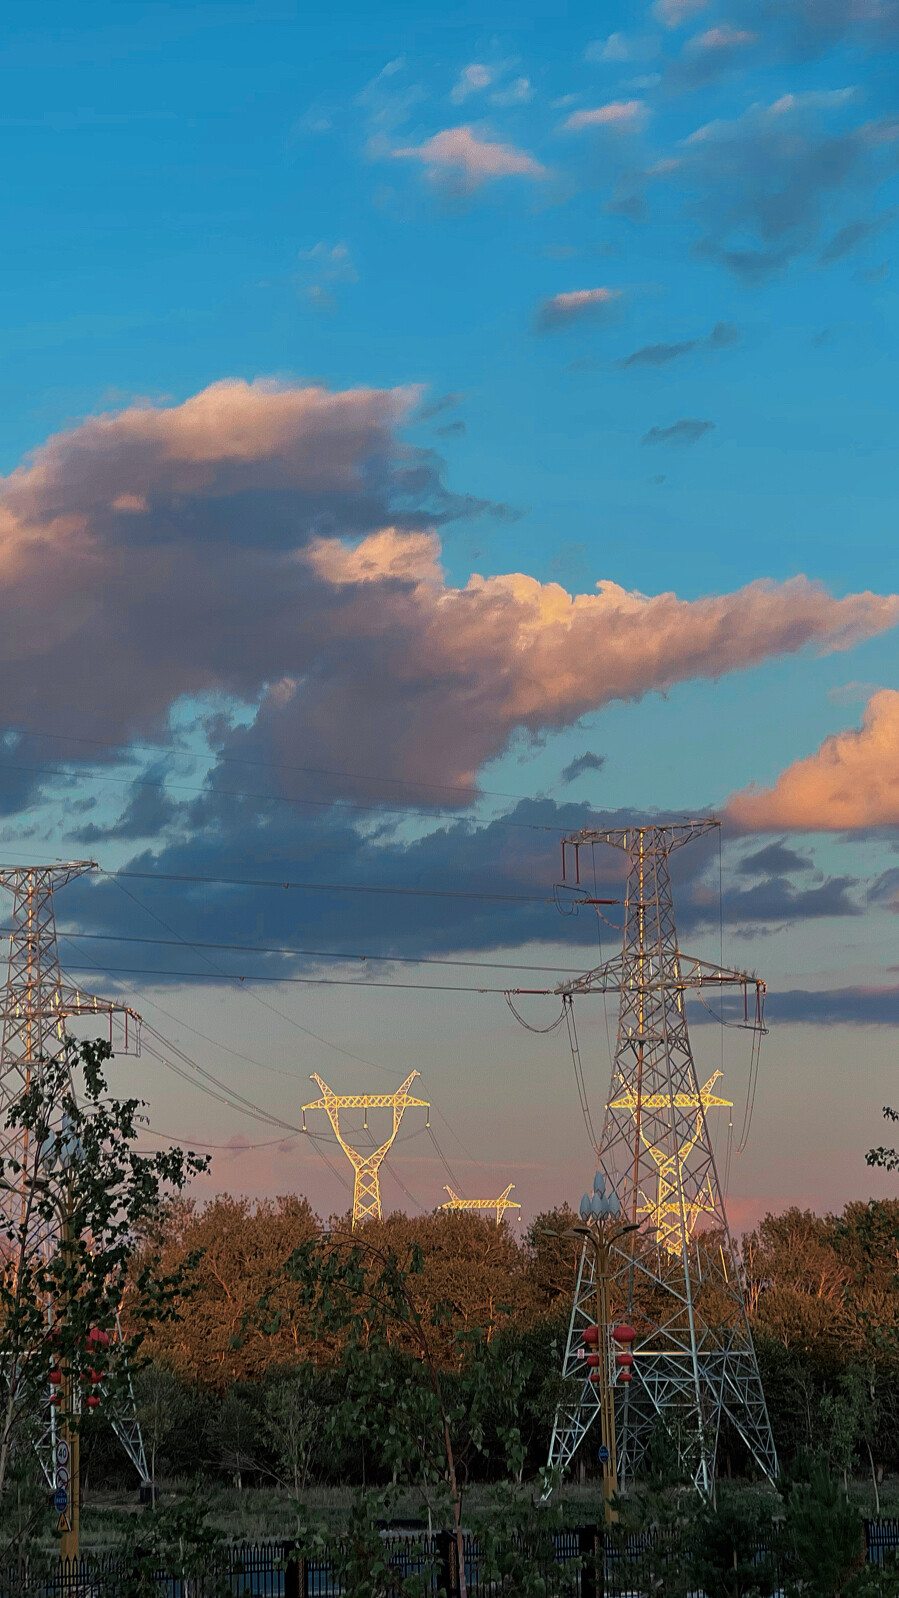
(60, 1499)
(603, 1454)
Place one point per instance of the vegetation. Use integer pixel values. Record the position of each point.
(412, 1366)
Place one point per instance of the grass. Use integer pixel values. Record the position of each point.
(256, 1514)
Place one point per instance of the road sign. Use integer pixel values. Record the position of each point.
(64, 1522)
(60, 1499)
(62, 1452)
(603, 1454)
(62, 1476)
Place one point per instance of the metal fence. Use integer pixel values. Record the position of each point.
(574, 1563)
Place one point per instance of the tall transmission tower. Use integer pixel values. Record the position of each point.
(694, 1361)
(37, 1002)
(367, 1167)
(500, 1205)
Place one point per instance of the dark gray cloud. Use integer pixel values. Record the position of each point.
(436, 407)
(763, 185)
(775, 899)
(710, 55)
(451, 429)
(686, 431)
(885, 889)
(723, 334)
(500, 878)
(147, 814)
(659, 354)
(585, 762)
(774, 858)
(852, 234)
(837, 1007)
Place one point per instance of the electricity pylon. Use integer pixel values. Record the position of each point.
(664, 1211)
(694, 1361)
(367, 1167)
(500, 1204)
(37, 1002)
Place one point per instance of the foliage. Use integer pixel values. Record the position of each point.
(515, 1543)
(177, 1539)
(823, 1532)
(358, 1559)
(732, 1546)
(83, 1194)
(887, 1159)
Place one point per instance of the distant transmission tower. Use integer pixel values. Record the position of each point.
(367, 1186)
(694, 1361)
(37, 1003)
(500, 1204)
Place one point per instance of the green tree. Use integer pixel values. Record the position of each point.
(293, 1422)
(83, 1196)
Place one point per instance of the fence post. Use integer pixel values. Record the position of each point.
(590, 1548)
(447, 1563)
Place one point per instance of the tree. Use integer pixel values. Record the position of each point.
(293, 1422)
(236, 1434)
(83, 1195)
(157, 1395)
(394, 1394)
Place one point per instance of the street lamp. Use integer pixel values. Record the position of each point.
(601, 1228)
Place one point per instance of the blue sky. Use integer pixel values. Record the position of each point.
(595, 297)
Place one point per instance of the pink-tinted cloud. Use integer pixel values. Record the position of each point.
(460, 153)
(851, 781)
(247, 542)
(620, 114)
(724, 37)
(562, 309)
(674, 13)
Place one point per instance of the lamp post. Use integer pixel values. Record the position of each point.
(600, 1229)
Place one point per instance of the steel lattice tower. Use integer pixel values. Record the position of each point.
(694, 1361)
(37, 1002)
(367, 1167)
(500, 1205)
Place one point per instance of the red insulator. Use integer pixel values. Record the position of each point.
(624, 1334)
(92, 1376)
(624, 1360)
(56, 1377)
(595, 1376)
(592, 1359)
(97, 1339)
(92, 1402)
(624, 1376)
(56, 1400)
(590, 1334)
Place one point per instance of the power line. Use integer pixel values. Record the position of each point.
(163, 783)
(268, 765)
(330, 887)
(316, 954)
(310, 982)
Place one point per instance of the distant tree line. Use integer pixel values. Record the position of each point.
(242, 1384)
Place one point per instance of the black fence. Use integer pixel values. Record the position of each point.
(574, 1563)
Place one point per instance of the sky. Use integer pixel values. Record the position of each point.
(427, 432)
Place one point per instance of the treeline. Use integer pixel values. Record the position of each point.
(239, 1387)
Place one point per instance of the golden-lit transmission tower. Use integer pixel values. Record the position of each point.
(678, 1285)
(664, 1211)
(500, 1204)
(367, 1186)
